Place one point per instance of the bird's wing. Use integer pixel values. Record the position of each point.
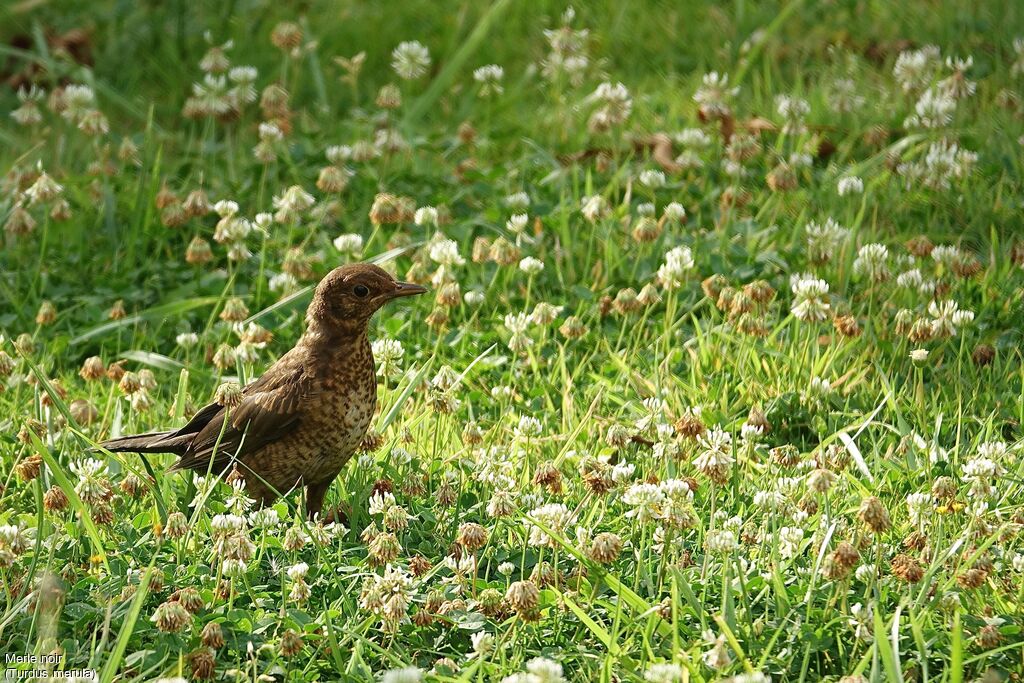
(271, 408)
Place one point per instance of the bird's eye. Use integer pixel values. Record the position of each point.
(361, 291)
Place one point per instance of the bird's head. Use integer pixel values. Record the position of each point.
(349, 295)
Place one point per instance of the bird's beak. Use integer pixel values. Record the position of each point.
(406, 289)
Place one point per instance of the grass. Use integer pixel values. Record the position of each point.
(696, 473)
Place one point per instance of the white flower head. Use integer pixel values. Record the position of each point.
(678, 262)
(489, 77)
(849, 185)
(445, 252)
(426, 215)
(410, 59)
(810, 298)
(531, 265)
(349, 243)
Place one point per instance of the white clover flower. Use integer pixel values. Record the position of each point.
(944, 317)
(284, 283)
(338, 154)
(232, 229)
(872, 261)
(934, 109)
(408, 674)
(793, 108)
(298, 571)
(945, 254)
(527, 427)
(545, 670)
(187, 340)
(531, 265)
(981, 472)
(678, 262)
(483, 643)
(693, 137)
(28, 113)
(664, 672)
(862, 616)
(652, 178)
(78, 101)
(789, 539)
(823, 239)
(623, 471)
(849, 185)
(234, 568)
(238, 251)
(44, 189)
(291, 203)
(226, 208)
(489, 77)
(914, 68)
(810, 299)
(645, 500)
(714, 94)
(445, 252)
(270, 132)
(750, 433)
(545, 313)
(943, 163)
(615, 106)
(717, 657)
(349, 243)
(721, 541)
(911, 279)
(13, 541)
(716, 450)
(517, 223)
(380, 502)
(517, 323)
(918, 505)
(689, 160)
(227, 522)
(88, 468)
(474, 297)
(264, 517)
(410, 59)
(243, 74)
(593, 207)
(388, 353)
(674, 212)
(263, 221)
(993, 450)
(819, 387)
(425, 215)
(963, 317)
(555, 517)
(770, 500)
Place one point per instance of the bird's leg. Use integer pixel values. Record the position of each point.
(315, 498)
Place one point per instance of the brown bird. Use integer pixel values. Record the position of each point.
(300, 422)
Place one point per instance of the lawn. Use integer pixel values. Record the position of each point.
(718, 377)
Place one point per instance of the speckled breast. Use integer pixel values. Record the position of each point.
(344, 411)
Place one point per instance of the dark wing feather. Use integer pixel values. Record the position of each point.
(271, 408)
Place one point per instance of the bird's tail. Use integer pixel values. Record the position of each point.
(154, 442)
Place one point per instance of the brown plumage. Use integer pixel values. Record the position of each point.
(300, 422)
